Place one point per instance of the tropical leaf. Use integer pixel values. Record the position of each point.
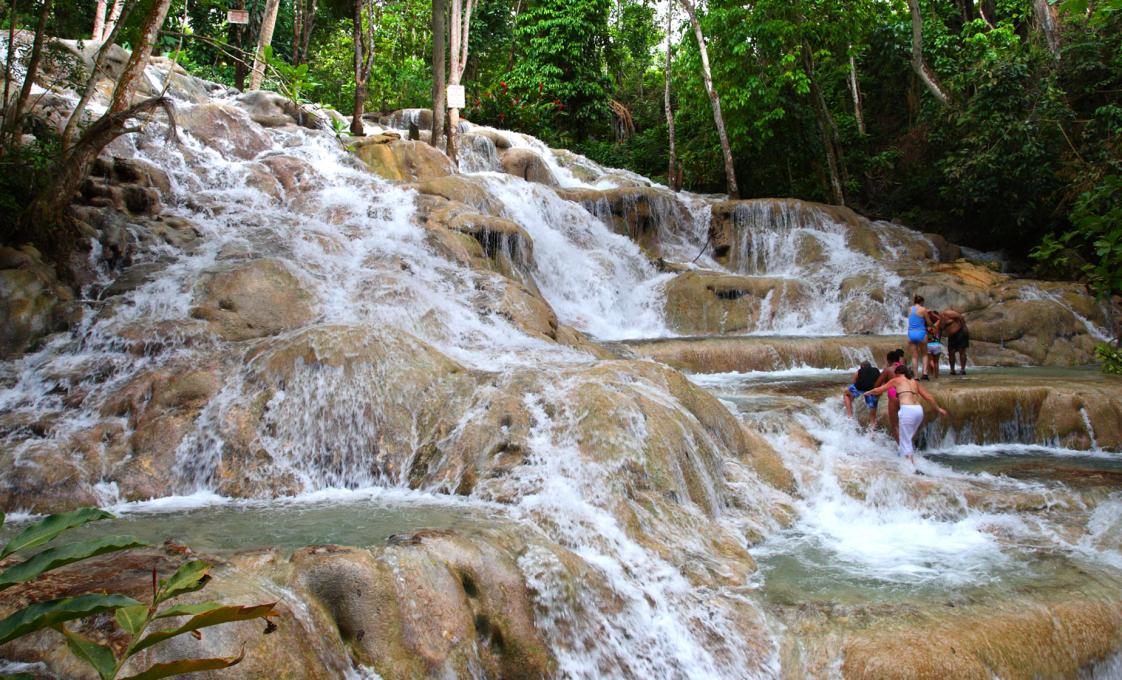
(186, 609)
(132, 619)
(170, 668)
(51, 526)
(53, 558)
(188, 578)
(98, 656)
(213, 617)
(43, 614)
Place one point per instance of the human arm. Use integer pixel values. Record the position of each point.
(880, 389)
(931, 400)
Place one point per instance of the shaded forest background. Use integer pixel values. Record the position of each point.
(1023, 156)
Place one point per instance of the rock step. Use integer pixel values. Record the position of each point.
(721, 354)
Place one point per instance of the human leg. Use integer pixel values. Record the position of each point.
(850, 393)
(894, 417)
(911, 417)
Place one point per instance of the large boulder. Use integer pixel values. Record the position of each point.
(252, 300)
(527, 164)
(467, 190)
(400, 160)
(223, 128)
(706, 302)
(271, 109)
(33, 302)
(646, 215)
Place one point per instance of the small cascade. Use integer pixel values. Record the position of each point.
(843, 288)
(477, 153)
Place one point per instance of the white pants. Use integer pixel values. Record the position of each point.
(911, 417)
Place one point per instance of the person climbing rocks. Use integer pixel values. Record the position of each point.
(863, 380)
(893, 360)
(909, 391)
(958, 337)
(934, 345)
(917, 333)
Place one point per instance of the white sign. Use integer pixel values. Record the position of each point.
(455, 96)
(237, 16)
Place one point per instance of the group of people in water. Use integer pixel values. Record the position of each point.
(927, 329)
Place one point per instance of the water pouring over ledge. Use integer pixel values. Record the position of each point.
(326, 333)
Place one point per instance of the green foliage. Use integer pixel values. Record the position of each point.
(134, 618)
(1111, 356)
(1093, 246)
(532, 110)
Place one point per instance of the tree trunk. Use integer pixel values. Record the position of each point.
(15, 119)
(264, 38)
(114, 16)
(672, 179)
(458, 49)
(438, 72)
(9, 62)
(831, 141)
(134, 67)
(926, 75)
(855, 90)
(1048, 22)
(95, 74)
(99, 21)
(987, 9)
(714, 100)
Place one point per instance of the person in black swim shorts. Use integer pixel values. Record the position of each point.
(863, 380)
(958, 337)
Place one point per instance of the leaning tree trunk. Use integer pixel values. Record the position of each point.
(264, 38)
(99, 68)
(99, 21)
(672, 179)
(138, 60)
(114, 17)
(439, 31)
(32, 66)
(926, 75)
(714, 100)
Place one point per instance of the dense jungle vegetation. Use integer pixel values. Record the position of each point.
(995, 123)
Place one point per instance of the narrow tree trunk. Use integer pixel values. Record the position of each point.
(134, 67)
(714, 100)
(987, 9)
(458, 49)
(1047, 21)
(264, 38)
(95, 75)
(438, 72)
(926, 75)
(15, 119)
(114, 16)
(672, 180)
(9, 62)
(99, 21)
(855, 90)
(831, 140)
(364, 58)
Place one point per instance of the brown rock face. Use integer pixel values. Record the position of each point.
(33, 303)
(704, 302)
(528, 165)
(643, 214)
(223, 128)
(270, 109)
(253, 300)
(402, 160)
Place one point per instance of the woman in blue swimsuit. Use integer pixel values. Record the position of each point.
(917, 333)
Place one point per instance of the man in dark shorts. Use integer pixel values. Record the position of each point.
(958, 337)
(863, 381)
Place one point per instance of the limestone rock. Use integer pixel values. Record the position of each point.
(224, 128)
(402, 160)
(253, 300)
(645, 214)
(271, 109)
(33, 303)
(704, 302)
(528, 165)
(467, 190)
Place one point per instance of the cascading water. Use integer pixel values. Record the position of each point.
(646, 501)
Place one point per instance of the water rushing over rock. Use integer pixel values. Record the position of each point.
(457, 354)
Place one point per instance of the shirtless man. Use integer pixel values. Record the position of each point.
(953, 325)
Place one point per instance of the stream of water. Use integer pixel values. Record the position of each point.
(860, 528)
